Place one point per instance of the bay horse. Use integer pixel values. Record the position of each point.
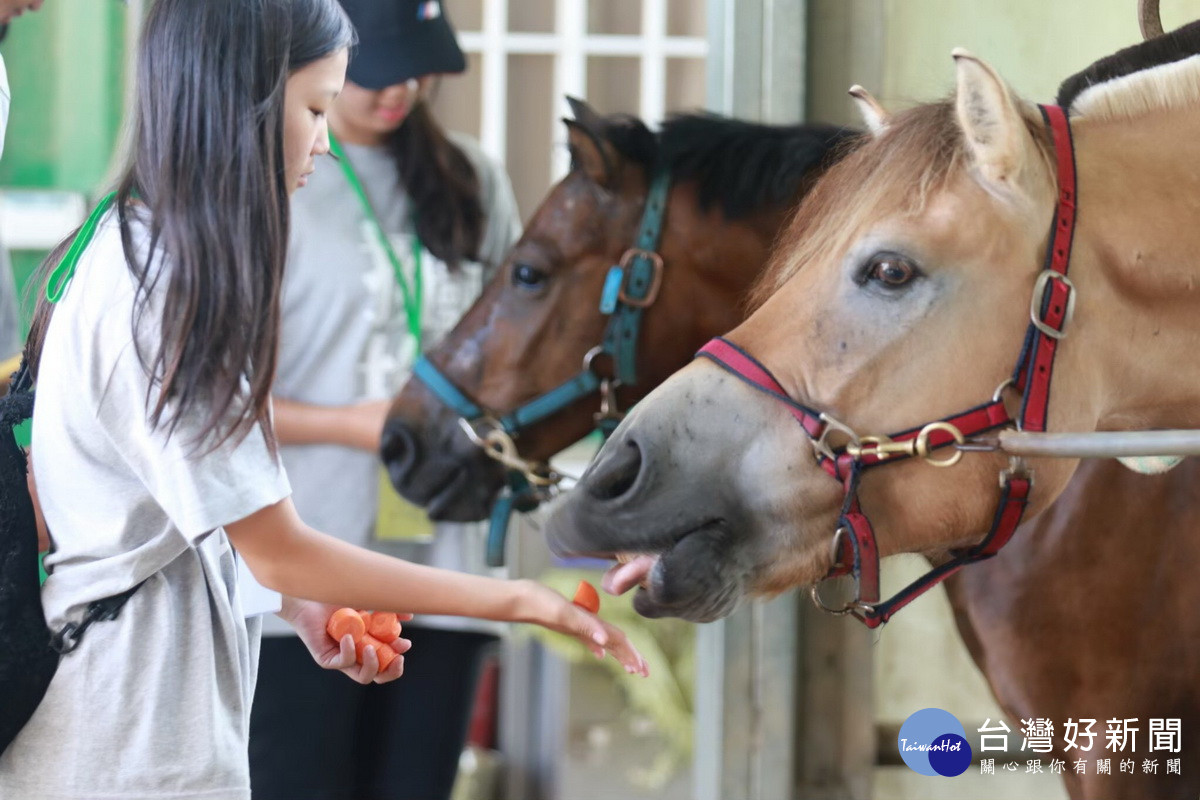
(733, 184)
(900, 293)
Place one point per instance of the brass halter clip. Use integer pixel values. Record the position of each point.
(883, 447)
(499, 446)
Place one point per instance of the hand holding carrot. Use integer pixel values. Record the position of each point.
(310, 620)
(377, 630)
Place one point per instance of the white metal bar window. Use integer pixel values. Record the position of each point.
(571, 45)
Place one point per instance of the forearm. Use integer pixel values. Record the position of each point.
(288, 556)
(306, 423)
(302, 562)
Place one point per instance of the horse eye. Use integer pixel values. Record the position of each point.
(891, 271)
(527, 276)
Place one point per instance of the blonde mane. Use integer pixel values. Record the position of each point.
(1164, 87)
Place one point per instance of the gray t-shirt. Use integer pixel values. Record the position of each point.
(156, 703)
(345, 338)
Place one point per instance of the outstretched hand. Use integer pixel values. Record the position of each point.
(557, 613)
(309, 620)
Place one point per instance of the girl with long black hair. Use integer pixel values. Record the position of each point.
(155, 456)
(391, 246)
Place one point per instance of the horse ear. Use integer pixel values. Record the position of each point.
(875, 116)
(585, 115)
(991, 122)
(589, 154)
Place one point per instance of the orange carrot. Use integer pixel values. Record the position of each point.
(586, 597)
(343, 621)
(384, 626)
(385, 653)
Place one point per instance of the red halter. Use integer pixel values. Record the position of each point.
(855, 549)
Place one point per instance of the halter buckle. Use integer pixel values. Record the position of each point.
(656, 265)
(1035, 303)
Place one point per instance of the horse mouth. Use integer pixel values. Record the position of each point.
(691, 578)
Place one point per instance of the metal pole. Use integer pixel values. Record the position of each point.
(1101, 444)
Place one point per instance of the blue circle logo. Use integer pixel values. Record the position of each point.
(934, 742)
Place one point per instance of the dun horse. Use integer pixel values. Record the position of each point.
(901, 294)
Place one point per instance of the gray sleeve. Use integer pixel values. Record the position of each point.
(199, 488)
(10, 323)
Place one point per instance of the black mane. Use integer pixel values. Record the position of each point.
(742, 166)
(1169, 48)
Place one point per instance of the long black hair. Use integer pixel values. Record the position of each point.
(442, 184)
(205, 170)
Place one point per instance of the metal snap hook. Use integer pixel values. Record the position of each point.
(499, 446)
(609, 410)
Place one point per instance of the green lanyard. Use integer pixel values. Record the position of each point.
(60, 278)
(412, 297)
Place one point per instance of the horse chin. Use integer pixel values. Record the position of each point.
(690, 579)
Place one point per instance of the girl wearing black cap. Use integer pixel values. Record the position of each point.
(157, 467)
(390, 246)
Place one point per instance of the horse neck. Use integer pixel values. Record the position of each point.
(1139, 223)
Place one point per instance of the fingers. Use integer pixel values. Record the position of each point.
(625, 652)
(601, 637)
(369, 669)
(345, 656)
(394, 670)
(402, 646)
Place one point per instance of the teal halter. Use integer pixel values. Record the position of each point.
(629, 288)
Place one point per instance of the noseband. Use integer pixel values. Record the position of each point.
(855, 551)
(630, 287)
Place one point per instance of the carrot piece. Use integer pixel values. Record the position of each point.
(384, 651)
(586, 597)
(384, 626)
(343, 621)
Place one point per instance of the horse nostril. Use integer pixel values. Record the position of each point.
(616, 474)
(399, 449)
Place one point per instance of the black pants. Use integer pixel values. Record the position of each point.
(317, 735)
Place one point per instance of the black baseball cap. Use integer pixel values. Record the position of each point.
(399, 40)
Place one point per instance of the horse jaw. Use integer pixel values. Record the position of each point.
(703, 532)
